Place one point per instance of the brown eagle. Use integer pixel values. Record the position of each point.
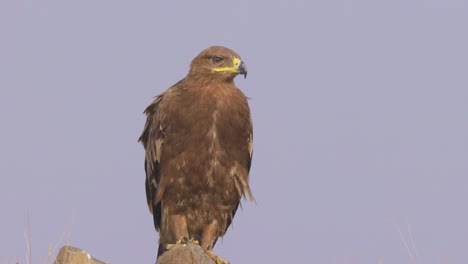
(198, 151)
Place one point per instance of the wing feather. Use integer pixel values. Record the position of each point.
(152, 139)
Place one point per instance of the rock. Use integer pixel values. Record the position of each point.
(72, 255)
(185, 254)
(180, 254)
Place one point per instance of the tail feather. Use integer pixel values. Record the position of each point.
(161, 250)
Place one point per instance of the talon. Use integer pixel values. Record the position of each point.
(195, 241)
(217, 259)
(182, 241)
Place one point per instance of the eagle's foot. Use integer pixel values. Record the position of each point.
(182, 241)
(195, 241)
(217, 259)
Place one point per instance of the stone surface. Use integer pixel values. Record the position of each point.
(180, 254)
(185, 254)
(72, 255)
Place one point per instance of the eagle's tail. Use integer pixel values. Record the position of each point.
(161, 250)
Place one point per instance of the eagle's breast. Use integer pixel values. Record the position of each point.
(204, 145)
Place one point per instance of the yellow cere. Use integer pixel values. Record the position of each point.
(236, 62)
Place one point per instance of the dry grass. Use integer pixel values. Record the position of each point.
(27, 238)
(51, 252)
(409, 244)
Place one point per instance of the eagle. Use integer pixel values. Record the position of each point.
(198, 142)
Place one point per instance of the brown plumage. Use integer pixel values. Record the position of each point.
(198, 144)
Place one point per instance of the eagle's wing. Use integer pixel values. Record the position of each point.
(152, 139)
(246, 189)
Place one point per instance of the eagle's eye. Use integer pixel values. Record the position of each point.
(217, 59)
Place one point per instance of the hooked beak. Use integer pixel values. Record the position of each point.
(238, 66)
(242, 69)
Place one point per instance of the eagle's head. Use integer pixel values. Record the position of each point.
(218, 63)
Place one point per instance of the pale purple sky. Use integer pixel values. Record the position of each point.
(360, 113)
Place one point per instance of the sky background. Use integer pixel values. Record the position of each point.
(360, 112)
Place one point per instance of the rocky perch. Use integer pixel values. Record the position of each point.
(180, 254)
(73, 255)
